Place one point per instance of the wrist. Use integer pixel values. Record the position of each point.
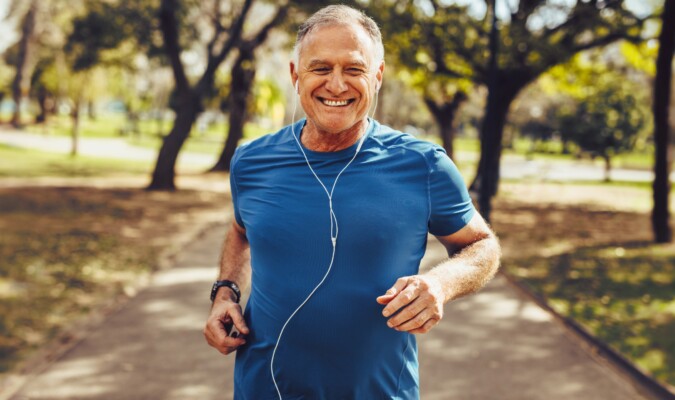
(225, 293)
(233, 293)
(440, 285)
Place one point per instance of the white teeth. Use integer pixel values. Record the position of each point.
(335, 103)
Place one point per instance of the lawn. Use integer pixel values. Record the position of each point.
(594, 262)
(66, 251)
(23, 163)
(622, 293)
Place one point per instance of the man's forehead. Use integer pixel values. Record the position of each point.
(325, 43)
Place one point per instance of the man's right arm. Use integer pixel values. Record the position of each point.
(235, 265)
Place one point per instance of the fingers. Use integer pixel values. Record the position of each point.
(408, 313)
(217, 326)
(405, 291)
(393, 291)
(239, 322)
(425, 328)
(414, 303)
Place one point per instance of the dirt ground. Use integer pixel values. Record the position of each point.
(549, 219)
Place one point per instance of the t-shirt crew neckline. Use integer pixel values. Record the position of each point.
(349, 151)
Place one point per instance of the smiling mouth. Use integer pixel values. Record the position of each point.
(336, 103)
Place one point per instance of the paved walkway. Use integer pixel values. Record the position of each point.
(493, 345)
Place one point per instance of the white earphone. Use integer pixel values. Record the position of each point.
(333, 222)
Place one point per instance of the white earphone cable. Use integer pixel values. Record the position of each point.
(333, 226)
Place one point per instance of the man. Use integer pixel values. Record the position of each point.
(331, 216)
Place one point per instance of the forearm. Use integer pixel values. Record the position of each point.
(235, 260)
(468, 270)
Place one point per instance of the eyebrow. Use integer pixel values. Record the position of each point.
(317, 62)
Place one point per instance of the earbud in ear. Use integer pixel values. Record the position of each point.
(297, 89)
(377, 87)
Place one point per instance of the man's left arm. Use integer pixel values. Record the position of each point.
(415, 303)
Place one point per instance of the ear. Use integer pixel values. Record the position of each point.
(379, 75)
(294, 76)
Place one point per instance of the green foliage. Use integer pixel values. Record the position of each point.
(113, 33)
(621, 294)
(641, 56)
(610, 109)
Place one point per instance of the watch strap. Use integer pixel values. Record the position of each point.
(232, 285)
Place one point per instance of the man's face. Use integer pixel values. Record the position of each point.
(337, 76)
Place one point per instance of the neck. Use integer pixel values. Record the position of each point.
(316, 139)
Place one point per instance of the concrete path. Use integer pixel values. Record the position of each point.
(493, 345)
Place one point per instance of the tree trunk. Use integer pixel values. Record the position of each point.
(91, 110)
(487, 176)
(163, 177)
(445, 114)
(486, 181)
(23, 62)
(608, 167)
(75, 134)
(663, 157)
(243, 76)
(42, 96)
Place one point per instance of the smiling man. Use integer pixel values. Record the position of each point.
(331, 217)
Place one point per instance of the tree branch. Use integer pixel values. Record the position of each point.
(281, 13)
(214, 60)
(218, 28)
(235, 34)
(169, 26)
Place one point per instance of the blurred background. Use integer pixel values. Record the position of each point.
(558, 113)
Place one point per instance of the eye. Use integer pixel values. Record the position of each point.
(355, 71)
(321, 70)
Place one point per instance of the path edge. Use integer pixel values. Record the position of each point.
(643, 382)
(67, 340)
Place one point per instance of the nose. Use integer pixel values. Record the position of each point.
(336, 83)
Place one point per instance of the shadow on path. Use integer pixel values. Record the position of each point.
(494, 345)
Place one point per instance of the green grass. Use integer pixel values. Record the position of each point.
(553, 151)
(622, 294)
(26, 163)
(66, 251)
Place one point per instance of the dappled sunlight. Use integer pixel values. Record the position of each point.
(176, 276)
(153, 348)
(494, 338)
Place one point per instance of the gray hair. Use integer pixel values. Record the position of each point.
(340, 15)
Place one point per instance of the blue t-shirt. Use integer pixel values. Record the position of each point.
(338, 346)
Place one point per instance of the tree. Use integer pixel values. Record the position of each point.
(120, 36)
(190, 96)
(606, 122)
(243, 76)
(24, 59)
(534, 37)
(411, 42)
(663, 157)
(43, 26)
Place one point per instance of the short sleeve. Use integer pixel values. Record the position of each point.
(451, 207)
(234, 189)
